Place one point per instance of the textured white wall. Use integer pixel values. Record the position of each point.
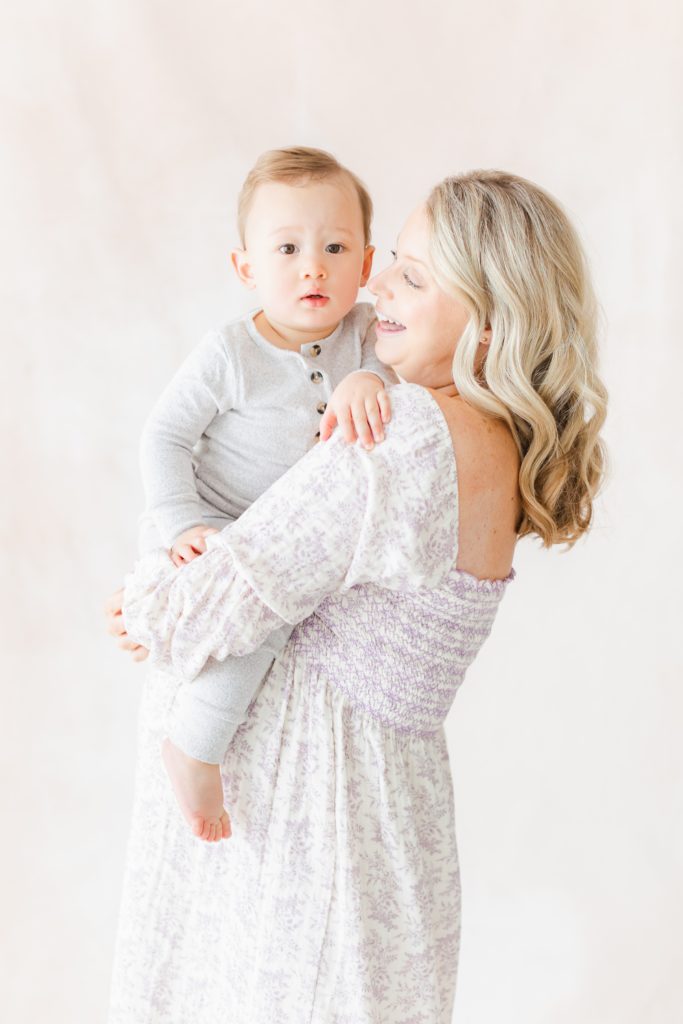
(130, 127)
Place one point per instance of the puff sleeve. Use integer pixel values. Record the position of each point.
(340, 517)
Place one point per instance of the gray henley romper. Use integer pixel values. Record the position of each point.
(237, 414)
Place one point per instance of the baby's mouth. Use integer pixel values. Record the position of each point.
(315, 299)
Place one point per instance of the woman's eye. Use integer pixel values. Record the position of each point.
(334, 248)
(287, 249)
(407, 279)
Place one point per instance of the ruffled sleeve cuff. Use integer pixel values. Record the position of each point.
(203, 610)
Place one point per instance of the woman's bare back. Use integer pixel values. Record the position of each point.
(488, 487)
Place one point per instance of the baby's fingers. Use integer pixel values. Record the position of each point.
(328, 423)
(184, 553)
(384, 405)
(374, 416)
(360, 420)
(346, 422)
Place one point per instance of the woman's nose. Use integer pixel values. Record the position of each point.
(378, 284)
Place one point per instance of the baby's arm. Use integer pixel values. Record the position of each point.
(360, 405)
(190, 544)
(202, 389)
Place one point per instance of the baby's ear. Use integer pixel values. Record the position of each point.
(367, 265)
(240, 261)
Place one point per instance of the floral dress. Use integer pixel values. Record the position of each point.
(337, 899)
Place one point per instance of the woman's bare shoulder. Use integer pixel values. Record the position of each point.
(488, 462)
(480, 441)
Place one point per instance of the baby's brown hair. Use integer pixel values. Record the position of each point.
(298, 165)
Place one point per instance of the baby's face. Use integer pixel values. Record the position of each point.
(305, 252)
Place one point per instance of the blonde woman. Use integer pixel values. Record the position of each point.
(337, 897)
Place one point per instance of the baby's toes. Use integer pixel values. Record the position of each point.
(225, 825)
(199, 826)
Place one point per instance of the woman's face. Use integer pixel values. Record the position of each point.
(420, 344)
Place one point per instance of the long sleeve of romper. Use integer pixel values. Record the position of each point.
(341, 516)
(203, 388)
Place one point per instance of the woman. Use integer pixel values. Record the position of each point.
(337, 898)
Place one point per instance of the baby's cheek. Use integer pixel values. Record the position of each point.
(348, 291)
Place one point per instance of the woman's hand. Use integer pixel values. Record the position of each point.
(361, 407)
(113, 610)
(190, 544)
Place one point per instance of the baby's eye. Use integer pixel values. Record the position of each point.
(287, 249)
(334, 248)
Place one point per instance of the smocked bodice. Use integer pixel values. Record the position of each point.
(400, 656)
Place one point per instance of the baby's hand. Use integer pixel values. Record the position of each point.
(361, 407)
(190, 544)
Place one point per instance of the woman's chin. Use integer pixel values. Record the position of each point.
(392, 359)
(387, 351)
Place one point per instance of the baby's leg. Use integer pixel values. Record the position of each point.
(204, 718)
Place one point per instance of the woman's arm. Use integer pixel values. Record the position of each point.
(291, 548)
(339, 517)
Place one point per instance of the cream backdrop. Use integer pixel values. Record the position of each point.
(127, 129)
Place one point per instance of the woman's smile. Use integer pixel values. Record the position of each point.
(387, 326)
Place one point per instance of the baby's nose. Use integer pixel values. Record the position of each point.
(313, 269)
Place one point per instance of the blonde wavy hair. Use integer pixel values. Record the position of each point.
(505, 247)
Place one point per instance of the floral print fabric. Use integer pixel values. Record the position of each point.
(337, 899)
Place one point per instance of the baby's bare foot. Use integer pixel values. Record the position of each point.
(199, 791)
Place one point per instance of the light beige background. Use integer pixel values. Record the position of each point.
(127, 129)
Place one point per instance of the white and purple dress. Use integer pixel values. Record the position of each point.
(337, 899)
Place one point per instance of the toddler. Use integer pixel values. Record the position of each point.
(247, 404)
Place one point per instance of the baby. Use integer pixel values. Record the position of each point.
(247, 404)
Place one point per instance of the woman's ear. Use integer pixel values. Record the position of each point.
(240, 261)
(486, 336)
